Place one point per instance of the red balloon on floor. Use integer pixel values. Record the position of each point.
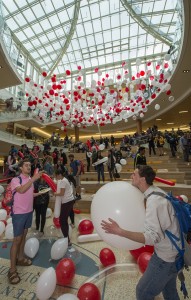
(107, 257)
(65, 271)
(89, 291)
(137, 252)
(85, 227)
(143, 261)
(56, 222)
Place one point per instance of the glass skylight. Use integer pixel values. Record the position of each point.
(93, 33)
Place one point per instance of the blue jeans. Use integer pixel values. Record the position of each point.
(160, 276)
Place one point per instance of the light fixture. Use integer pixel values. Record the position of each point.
(98, 133)
(183, 111)
(158, 119)
(1, 67)
(186, 71)
(118, 131)
(169, 123)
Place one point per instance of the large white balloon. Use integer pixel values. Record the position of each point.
(3, 214)
(1, 189)
(123, 203)
(68, 297)
(59, 248)
(118, 168)
(9, 232)
(46, 284)
(2, 228)
(57, 207)
(31, 247)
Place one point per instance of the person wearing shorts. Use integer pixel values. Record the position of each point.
(22, 211)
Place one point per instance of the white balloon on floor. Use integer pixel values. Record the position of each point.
(68, 297)
(118, 167)
(48, 212)
(123, 162)
(59, 248)
(3, 214)
(57, 207)
(46, 284)
(123, 203)
(2, 228)
(31, 247)
(9, 232)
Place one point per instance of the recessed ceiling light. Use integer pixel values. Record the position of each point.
(183, 111)
(98, 133)
(118, 131)
(57, 129)
(170, 123)
(158, 119)
(186, 71)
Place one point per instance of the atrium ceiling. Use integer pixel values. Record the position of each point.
(65, 34)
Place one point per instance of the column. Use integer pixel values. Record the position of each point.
(139, 126)
(77, 131)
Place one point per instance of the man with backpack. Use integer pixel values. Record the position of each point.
(22, 211)
(161, 273)
(75, 170)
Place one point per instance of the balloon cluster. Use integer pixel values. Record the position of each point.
(103, 101)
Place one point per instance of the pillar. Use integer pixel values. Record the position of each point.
(77, 131)
(139, 126)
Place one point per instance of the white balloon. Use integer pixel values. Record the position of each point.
(9, 232)
(157, 106)
(167, 57)
(2, 228)
(123, 162)
(31, 247)
(121, 202)
(118, 167)
(46, 284)
(9, 220)
(59, 248)
(171, 98)
(68, 297)
(3, 214)
(48, 212)
(57, 207)
(138, 61)
(101, 147)
(1, 189)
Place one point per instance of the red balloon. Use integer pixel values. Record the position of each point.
(89, 291)
(85, 227)
(5, 179)
(50, 182)
(77, 211)
(56, 222)
(65, 271)
(107, 257)
(143, 261)
(137, 252)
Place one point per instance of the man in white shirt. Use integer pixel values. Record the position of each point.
(160, 275)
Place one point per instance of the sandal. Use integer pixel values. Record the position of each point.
(24, 262)
(13, 277)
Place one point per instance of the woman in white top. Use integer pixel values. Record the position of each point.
(65, 192)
